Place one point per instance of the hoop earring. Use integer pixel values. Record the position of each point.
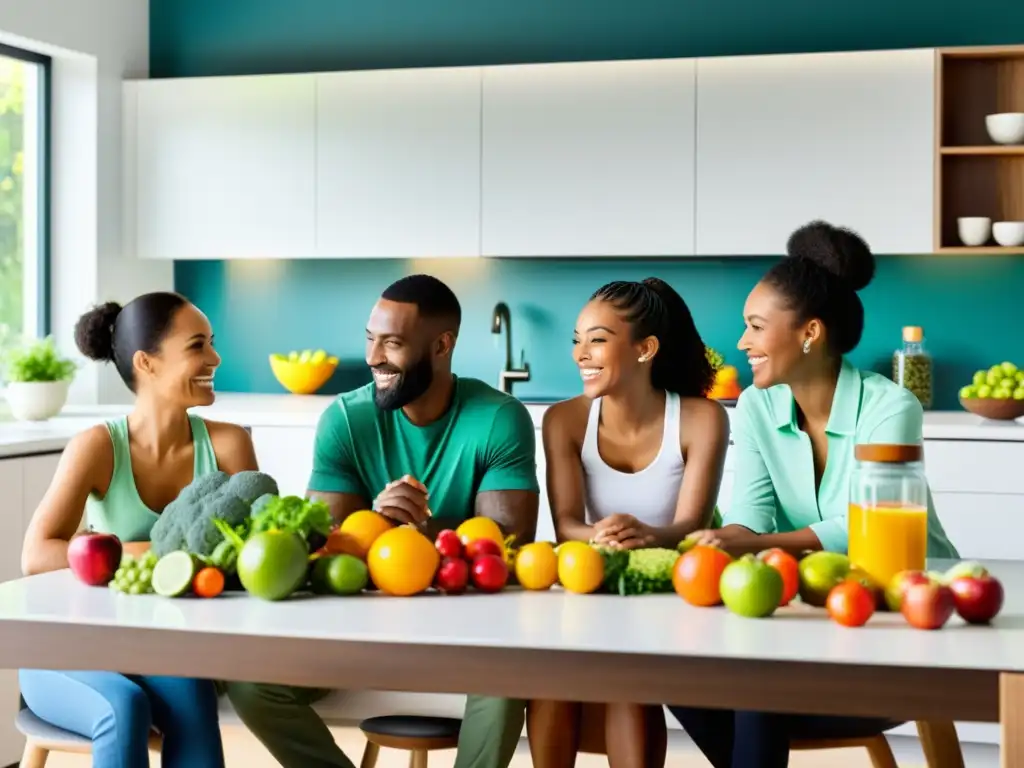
(807, 346)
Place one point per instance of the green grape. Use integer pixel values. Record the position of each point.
(132, 576)
(114, 585)
(149, 560)
(146, 575)
(136, 589)
(120, 572)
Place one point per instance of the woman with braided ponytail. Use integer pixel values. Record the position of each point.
(615, 460)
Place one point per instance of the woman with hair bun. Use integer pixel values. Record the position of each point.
(121, 475)
(615, 459)
(808, 408)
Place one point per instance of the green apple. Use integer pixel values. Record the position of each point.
(1009, 368)
(967, 392)
(1018, 393)
(1002, 394)
(992, 378)
(984, 391)
(819, 572)
(751, 587)
(979, 378)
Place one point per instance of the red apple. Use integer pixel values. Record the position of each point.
(978, 599)
(452, 576)
(94, 557)
(928, 605)
(448, 544)
(480, 547)
(896, 588)
(490, 573)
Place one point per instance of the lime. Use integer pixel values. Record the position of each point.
(340, 575)
(173, 574)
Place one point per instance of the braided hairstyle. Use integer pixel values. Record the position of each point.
(654, 308)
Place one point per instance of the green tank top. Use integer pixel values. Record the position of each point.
(121, 510)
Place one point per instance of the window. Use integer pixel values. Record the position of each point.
(24, 209)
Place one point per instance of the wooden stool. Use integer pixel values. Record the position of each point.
(412, 733)
(41, 739)
(939, 742)
(877, 746)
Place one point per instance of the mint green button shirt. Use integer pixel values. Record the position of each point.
(773, 490)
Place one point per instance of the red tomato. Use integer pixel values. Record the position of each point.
(850, 603)
(788, 568)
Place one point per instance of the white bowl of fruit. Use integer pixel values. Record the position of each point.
(995, 393)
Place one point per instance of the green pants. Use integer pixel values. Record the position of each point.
(283, 719)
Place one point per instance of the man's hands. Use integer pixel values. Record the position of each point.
(622, 532)
(404, 501)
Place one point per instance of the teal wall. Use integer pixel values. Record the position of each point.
(969, 306)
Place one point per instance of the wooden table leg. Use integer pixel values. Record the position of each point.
(1011, 720)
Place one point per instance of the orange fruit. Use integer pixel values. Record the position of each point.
(357, 533)
(402, 561)
(537, 566)
(697, 574)
(580, 567)
(480, 528)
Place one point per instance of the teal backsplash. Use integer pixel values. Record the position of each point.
(969, 306)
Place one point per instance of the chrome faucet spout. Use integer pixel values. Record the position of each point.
(501, 320)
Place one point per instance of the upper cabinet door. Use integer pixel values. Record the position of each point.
(589, 159)
(845, 137)
(224, 167)
(398, 163)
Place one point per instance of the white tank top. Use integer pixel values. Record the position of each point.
(649, 495)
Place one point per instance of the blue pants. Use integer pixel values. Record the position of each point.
(731, 739)
(117, 712)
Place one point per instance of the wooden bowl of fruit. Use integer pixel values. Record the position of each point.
(996, 393)
(303, 373)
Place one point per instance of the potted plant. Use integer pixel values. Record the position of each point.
(38, 378)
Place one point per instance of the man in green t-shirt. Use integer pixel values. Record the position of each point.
(421, 446)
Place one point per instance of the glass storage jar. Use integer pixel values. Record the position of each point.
(912, 365)
(888, 512)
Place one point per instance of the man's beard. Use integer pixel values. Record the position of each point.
(410, 385)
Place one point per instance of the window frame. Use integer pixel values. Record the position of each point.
(43, 256)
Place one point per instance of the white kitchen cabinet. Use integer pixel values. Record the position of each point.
(398, 163)
(589, 159)
(12, 517)
(845, 137)
(545, 523)
(286, 454)
(224, 167)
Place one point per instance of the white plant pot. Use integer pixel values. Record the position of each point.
(36, 400)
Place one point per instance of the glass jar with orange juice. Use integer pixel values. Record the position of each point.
(888, 519)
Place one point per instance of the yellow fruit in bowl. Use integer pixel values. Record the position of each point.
(303, 373)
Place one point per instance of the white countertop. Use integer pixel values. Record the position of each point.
(256, 410)
(659, 625)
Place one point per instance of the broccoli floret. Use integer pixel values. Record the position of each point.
(187, 522)
(251, 485)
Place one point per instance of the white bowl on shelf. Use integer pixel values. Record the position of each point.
(974, 230)
(1009, 233)
(1005, 127)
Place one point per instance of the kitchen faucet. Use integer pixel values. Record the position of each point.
(502, 319)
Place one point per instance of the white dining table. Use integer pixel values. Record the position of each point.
(651, 649)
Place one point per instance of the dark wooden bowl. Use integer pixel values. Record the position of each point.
(997, 410)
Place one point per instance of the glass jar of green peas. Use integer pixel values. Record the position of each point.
(912, 365)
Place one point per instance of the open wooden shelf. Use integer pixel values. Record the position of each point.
(963, 250)
(974, 176)
(995, 149)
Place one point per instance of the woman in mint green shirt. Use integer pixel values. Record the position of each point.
(121, 475)
(794, 432)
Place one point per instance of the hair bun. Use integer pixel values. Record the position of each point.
(840, 251)
(94, 331)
